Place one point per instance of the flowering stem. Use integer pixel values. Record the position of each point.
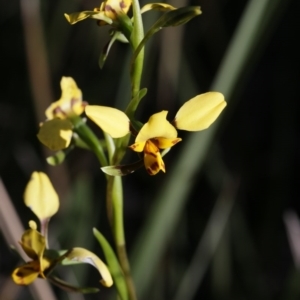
(114, 185)
(136, 37)
(115, 215)
(88, 136)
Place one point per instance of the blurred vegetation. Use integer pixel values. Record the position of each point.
(222, 222)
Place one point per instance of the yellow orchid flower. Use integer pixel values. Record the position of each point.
(56, 133)
(107, 12)
(70, 102)
(156, 134)
(34, 245)
(196, 114)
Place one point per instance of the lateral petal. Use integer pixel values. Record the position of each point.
(157, 6)
(163, 143)
(138, 147)
(86, 256)
(80, 16)
(200, 112)
(109, 119)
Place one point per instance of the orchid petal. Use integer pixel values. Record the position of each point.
(152, 159)
(157, 6)
(113, 8)
(200, 112)
(40, 196)
(70, 102)
(110, 120)
(163, 143)
(69, 88)
(56, 134)
(26, 274)
(33, 244)
(80, 16)
(83, 255)
(157, 126)
(138, 147)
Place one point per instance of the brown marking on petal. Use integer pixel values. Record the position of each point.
(57, 111)
(155, 141)
(123, 4)
(152, 154)
(74, 101)
(108, 8)
(149, 171)
(20, 273)
(152, 170)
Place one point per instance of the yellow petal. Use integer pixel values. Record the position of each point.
(40, 196)
(115, 7)
(70, 102)
(152, 159)
(163, 143)
(83, 255)
(157, 6)
(200, 112)
(110, 120)
(69, 89)
(79, 16)
(56, 134)
(26, 274)
(33, 244)
(138, 147)
(157, 126)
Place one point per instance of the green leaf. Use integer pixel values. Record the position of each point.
(122, 170)
(171, 18)
(113, 265)
(70, 288)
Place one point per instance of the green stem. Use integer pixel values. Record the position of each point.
(115, 215)
(114, 185)
(136, 37)
(88, 136)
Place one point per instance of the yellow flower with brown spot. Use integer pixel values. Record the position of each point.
(56, 133)
(158, 133)
(42, 199)
(34, 245)
(107, 13)
(70, 102)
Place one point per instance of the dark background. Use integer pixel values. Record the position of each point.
(253, 158)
